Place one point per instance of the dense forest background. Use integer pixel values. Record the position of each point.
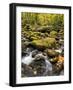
(55, 21)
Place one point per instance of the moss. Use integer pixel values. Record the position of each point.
(53, 34)
(43, 43)
(34, 38)
(44, 29)
(52, 53)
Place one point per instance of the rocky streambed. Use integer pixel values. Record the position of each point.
(42, 52)
(37, 63)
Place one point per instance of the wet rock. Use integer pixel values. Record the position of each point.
(38, 65)
(39, 57)
(34, 53)
(26, 71)
(24, 54)
(26, 51)
(45, 54)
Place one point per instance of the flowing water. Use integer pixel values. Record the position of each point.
(28, 59)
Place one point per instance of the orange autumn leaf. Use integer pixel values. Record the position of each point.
(61, 58)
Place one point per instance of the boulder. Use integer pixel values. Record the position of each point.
(52, 53)
(34, 53)
(42, 44)
(26, 71)
(44, 29)
(53, 34)
(38, 65)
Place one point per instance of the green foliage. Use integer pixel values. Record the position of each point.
(57, 21)
(42, 19)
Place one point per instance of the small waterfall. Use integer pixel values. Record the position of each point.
(28, 58)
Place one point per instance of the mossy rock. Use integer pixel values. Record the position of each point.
(44, 29)
(44, 43)
(52, 53)
(53, 60)
(32, 35)
(33, 38)
(46, 34)
(53, 34)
